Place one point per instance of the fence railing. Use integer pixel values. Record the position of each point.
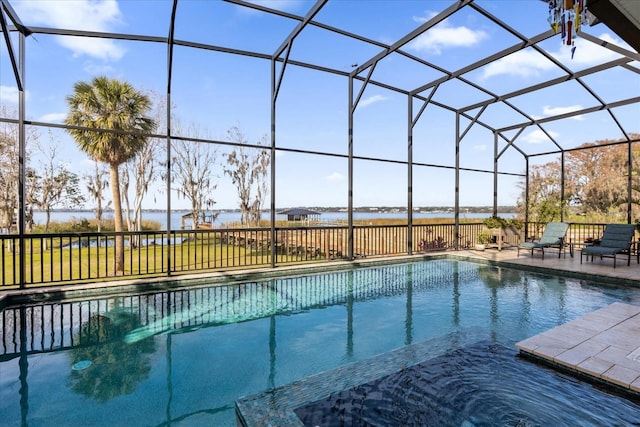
(51, 259)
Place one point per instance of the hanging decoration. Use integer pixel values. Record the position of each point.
(565, 17)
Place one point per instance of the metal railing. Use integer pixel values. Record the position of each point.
(51, 259)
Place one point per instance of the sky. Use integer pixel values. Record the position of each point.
(213, 91)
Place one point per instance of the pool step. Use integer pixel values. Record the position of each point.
(603, 345)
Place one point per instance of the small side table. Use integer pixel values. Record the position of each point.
(582, 244)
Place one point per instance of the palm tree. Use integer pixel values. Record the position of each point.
(117, 107)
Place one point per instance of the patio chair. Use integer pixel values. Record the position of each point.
(552, 237)
(616, 239)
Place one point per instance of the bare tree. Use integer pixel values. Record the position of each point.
(194, 173)
(9, 171)
(8, 174)
(249, 170)
(32, 183)
(54, 185)
(143, 169)
(97, 183)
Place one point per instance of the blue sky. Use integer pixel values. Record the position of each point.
(214, 91)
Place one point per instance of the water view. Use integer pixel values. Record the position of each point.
(227, 217)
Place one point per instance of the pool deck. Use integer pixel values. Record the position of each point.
(603, 345)
(567, 265)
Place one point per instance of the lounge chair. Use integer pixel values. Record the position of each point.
(616, 239)
(552, 237)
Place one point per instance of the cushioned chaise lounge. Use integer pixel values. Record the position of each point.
(616, 239)
(552, 237)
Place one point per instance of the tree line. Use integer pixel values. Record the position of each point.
(111, 122)
(595, 184)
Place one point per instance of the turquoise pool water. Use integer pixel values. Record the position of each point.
(184, 357)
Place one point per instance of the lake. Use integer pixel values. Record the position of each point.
(232, 216)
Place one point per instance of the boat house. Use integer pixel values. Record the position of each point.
(300, 214)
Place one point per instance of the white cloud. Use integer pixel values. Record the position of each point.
(89, 15)
(554, 111)
(422, 19)
(371, 100)
(524, 63)
(103, 49)
(480, 147)
(334, 177)
(443, 36)
(9, 94)
(528, 63)
(537, 136)
(53, 117)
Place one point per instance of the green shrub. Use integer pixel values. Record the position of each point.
(499, 222)
(495, 222)
(484, 237)
(84, 225)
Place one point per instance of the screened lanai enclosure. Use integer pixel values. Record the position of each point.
(348, 104)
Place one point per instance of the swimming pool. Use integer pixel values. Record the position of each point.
(185, 356)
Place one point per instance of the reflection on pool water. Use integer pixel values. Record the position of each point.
(185, 356)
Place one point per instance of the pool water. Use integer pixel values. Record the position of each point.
(184, 357)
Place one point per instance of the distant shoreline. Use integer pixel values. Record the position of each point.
(364, 209)
(231, 217)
